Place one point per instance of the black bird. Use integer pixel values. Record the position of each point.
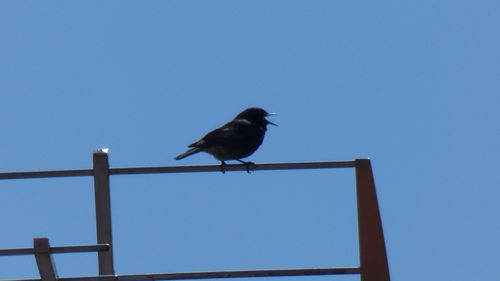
(235, 140)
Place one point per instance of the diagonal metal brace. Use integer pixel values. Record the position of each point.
(44, 261)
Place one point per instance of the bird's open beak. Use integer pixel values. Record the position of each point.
(269, 122)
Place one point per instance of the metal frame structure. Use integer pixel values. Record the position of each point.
(373, 257)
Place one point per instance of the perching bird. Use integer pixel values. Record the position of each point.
(235, 140)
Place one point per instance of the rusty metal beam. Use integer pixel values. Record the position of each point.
(103, 210)
(44, 261)
(373, 256)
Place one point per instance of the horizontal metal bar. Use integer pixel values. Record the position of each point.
(179, 169)
(238, 274)
(212, 274)
(235, 167)
(57, 250)
(46, 174)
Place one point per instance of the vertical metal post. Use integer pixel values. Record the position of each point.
(103, 211)
(44, 261)
(373, 256)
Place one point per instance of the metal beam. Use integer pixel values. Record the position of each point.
(178, 169)
(373, 257)
(239, 274)
(213, 274)
(56, 250)
(44, 261)
(234, 167)
(46, 174)
(103, 210)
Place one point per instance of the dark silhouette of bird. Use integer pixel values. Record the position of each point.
(235, 140)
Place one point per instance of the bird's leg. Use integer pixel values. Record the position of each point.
(247, 164)
(222, 165)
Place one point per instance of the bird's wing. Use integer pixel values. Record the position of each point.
(228, 134)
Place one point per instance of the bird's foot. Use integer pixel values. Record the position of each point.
(247, 164)
(222, 166)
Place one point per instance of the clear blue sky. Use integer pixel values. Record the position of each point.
(414, 85)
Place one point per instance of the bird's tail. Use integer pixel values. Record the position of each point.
(187, 153)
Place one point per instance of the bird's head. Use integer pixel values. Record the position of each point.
(256, 115)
